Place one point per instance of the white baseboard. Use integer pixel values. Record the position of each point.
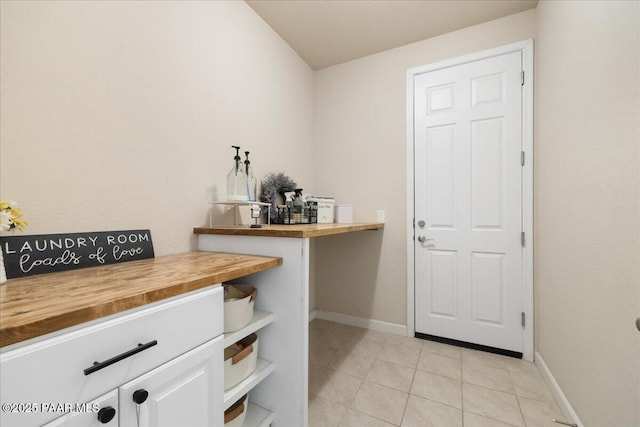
(557, 392)
(376, 325)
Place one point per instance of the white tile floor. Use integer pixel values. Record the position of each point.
(363, 378)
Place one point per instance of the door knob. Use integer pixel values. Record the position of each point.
(423, 239)
(139, 396)
(106, 414)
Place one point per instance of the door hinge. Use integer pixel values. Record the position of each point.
(522, 78)
(522, 158)
(522, 241)
(522, 319)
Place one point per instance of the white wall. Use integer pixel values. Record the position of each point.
(360, 150)
(120, 115)
(587, 205)
(117, 115)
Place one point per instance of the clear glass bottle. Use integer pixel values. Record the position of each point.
(252, 182)
(237, 180)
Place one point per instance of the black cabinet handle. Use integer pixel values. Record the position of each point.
(106, 414)
(99, 365)
(140, 396)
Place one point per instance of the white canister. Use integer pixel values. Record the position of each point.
(344, 214)
(238, 312)
(240, 360)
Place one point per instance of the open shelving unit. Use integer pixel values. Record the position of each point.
(285, 292)
(263, 369)
(260, 320)
(257, 416)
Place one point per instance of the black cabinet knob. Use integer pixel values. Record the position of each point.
(106, 414)
(139, 396)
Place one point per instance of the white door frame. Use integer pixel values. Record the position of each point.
(526, 47)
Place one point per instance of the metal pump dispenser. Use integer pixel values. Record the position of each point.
(252, 183)
(237, 180)
(297, 206)
(237, 157)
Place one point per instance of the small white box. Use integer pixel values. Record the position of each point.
(325, 209)
(344, 214)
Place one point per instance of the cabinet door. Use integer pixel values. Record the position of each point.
(187, 391)
(98, 412)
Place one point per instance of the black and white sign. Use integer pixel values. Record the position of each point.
(47, 253)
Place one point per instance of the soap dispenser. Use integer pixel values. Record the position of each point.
(297, 206)
(237, 180)
(252, 183)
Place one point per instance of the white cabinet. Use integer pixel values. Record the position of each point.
(180, 337)
(183, 392)
(169, 353)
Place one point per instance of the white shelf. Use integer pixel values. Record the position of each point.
(257, 416)
(263, 369)
(260, 320)
(284, 291)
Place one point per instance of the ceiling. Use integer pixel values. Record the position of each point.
(329, 32)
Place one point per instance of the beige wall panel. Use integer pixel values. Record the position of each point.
(120, 115)
(587, 205)
(360, 151)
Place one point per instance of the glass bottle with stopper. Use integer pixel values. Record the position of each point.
(237, 180)
(252, 183)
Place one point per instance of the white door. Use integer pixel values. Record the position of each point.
(468, 202)
(186, 391)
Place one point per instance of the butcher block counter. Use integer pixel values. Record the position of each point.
(33, 306)
(296, 230)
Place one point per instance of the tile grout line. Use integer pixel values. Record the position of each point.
(524, 421)
(413, 378)
(462, 388)
(424, 350)
(358, 391)
(516, 394)
(408, 393)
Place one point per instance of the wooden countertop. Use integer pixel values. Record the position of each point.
(36, 305)
(282, 230)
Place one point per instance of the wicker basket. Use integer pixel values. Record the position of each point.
(234, 416)
(240, 360)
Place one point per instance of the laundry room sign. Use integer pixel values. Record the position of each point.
(48, 253)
